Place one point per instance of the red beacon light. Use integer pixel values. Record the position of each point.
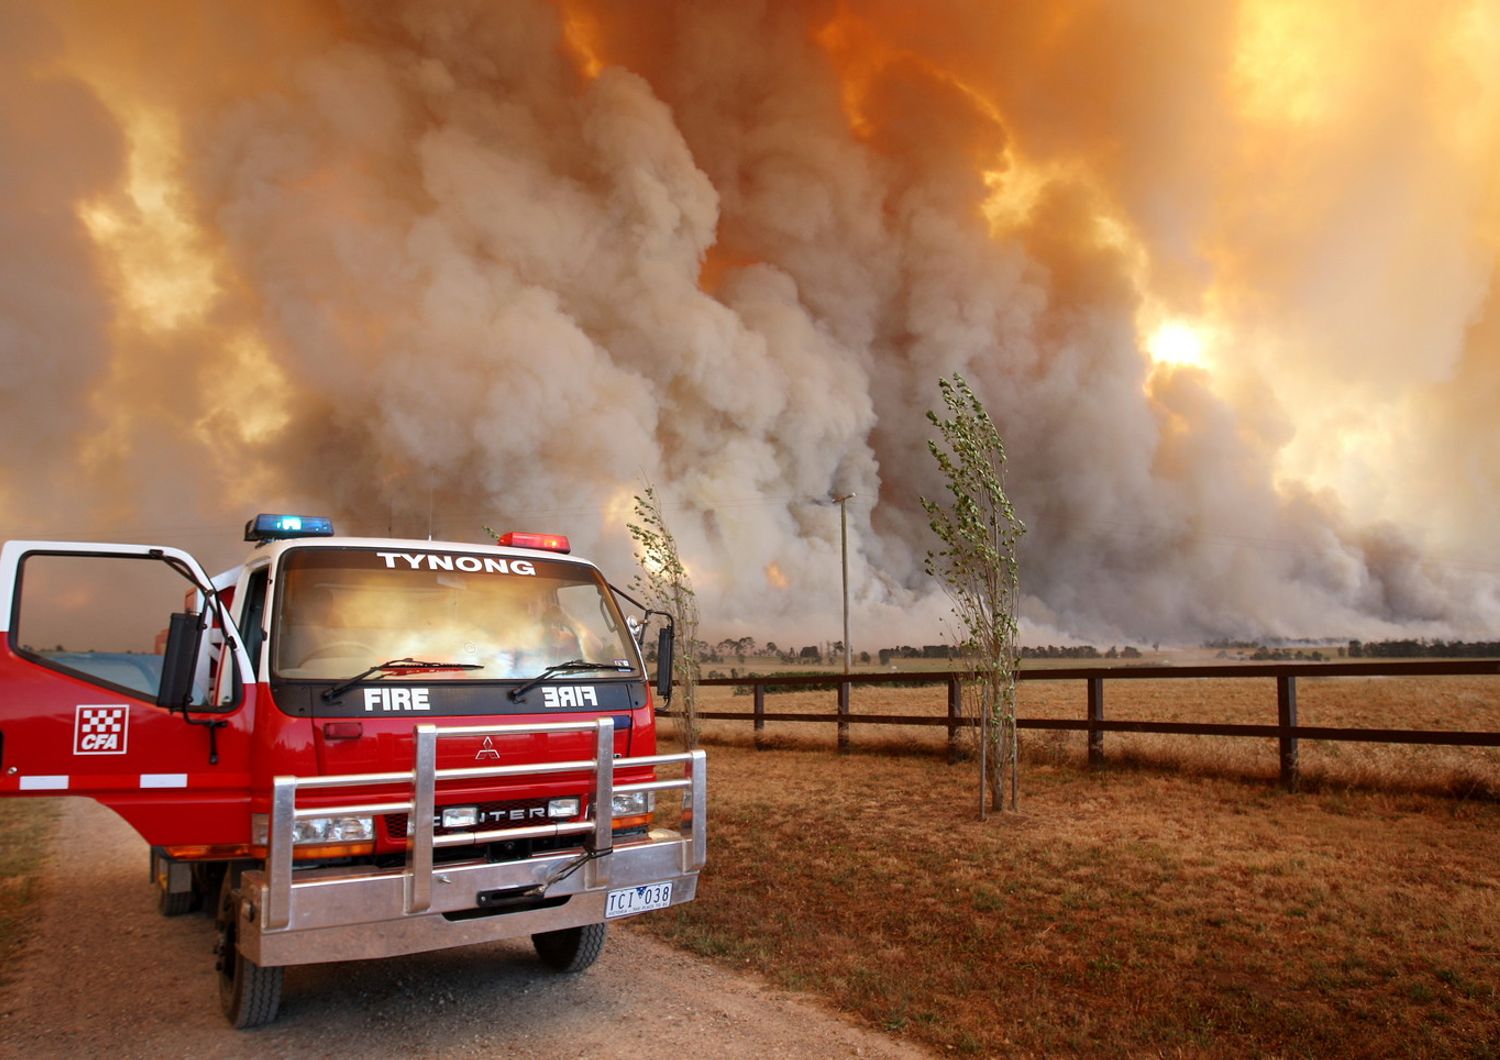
(545, 542)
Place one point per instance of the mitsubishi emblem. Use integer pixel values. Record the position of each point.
(487, 751)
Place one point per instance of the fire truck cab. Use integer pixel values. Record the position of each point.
(355, 747)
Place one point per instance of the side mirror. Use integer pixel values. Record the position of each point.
(664, 644)
(180, 663)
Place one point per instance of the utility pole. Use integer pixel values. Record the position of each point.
(842, 500)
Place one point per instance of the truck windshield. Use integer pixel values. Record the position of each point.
(341, 610)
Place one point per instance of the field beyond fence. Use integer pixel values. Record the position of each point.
(1438, 719)
(1121, 912)
(1177, 901)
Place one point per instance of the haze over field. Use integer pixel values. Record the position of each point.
(1224, 273)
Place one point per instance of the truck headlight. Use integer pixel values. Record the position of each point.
(333, 830)
(632, 810)
(318, 830)
(634, 803)
(563, 808)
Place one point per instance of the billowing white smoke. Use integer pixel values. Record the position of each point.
(486, 288)
(57, 146)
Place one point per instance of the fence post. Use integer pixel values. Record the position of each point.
(1095, 716)
(760, 713)
(844, 715)
(1286, 723)
(955, 705)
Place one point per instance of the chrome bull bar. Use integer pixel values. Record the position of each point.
(280, 878)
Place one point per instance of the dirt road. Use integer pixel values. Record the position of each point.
(107, 975)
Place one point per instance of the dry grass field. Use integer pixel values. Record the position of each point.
(1175, 903)
(1450, 703)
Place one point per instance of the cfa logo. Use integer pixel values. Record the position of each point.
(101, 729)
(569, 696)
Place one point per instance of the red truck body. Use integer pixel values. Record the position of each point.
(353, 747)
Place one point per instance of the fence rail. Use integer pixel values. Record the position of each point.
(1286, 731)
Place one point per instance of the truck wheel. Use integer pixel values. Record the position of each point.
(249, 995)
(571, 949)
(168, 902)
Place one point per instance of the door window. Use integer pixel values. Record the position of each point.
(251, 619)
(101, 618)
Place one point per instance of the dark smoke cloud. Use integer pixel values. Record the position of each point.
(459, 281)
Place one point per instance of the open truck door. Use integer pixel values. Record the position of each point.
(111, 689)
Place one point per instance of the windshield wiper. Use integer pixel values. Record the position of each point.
(572, 666)
(398, 666)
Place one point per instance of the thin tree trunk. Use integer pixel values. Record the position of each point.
(984, 776)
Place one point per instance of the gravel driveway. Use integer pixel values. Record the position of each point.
(107, 975)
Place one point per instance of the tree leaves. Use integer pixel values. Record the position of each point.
(664, 584)
(978, 531)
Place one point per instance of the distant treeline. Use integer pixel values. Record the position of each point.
(1049, 651)
(926, 651)
(1270, 650)
(1424, 649)
(1079, 651)
(830, 685)
(1264, 654)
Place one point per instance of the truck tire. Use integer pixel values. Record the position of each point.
(169, 903)
(249, 995)
(571, 949)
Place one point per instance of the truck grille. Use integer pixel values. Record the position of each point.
(491, 815)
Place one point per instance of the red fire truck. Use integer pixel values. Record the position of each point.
(355, 747)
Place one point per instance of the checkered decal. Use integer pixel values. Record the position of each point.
(101, 730)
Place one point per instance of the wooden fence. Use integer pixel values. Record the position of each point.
(1287, 732)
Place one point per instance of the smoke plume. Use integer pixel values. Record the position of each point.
(1222, 272)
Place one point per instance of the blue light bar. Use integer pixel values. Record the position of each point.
(280, 527)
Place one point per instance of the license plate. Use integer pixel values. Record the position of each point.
(629, 900)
